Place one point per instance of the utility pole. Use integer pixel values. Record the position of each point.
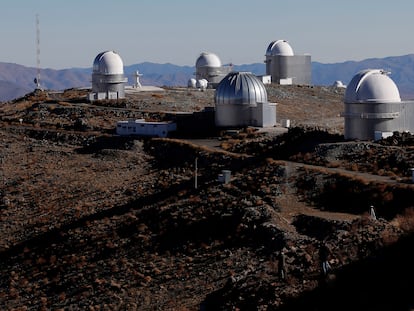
(37, 79)
(195, 173)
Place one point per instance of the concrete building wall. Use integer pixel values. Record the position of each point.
(212, 74)
(260, 115)
(406, 121)
(362, 120)
(295, 67)
(109, 83)
(263, 115)
(227, 115)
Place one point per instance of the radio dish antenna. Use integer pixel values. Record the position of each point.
(37, 78)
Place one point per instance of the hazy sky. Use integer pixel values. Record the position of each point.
(73, 32)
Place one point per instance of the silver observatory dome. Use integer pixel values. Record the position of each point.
(240, 88)
(237, 97)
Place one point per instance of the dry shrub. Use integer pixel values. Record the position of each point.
(364, 221)
(226, 145)
(307, 157)
(354, 167)
(381, 187)
(388, 237)
(334, 164)
(194, 199)
(390, 174)
(387, 196)
(250, 130)
(405, 221)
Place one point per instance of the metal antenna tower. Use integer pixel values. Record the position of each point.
(37, 79)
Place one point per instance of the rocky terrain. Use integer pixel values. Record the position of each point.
(92, 221)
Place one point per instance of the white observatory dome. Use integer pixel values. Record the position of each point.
(208, 60)
(279, 47)
(372, 85)
(202, 84)
(239, 88)
(192, 83)
(108, 62)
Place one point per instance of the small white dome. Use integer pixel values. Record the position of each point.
(192, 83)
(208, 59)
(279, 47)
(202, 83)
(338, 84)
(108, 62)
(372, 85)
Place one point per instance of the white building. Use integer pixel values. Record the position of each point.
(140, 127)
(108, 80)
(285, 67)
(209, 67)
(373, 107)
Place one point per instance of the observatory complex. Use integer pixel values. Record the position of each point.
(285, 67)
(108, 80)
(241, 100)
(373, 107)
(210, 69)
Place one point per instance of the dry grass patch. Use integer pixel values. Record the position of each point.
(405, 221)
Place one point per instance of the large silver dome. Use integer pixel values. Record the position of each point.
(372, 86)
(240, 88)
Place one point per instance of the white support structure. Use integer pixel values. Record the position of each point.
(137, 83)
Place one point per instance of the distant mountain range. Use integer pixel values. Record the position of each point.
(17, 80)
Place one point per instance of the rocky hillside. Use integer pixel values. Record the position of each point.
(89, 220)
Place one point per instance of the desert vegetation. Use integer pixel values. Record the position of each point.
(92, 221)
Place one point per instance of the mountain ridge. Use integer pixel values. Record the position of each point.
(400, 67)
(17, 80)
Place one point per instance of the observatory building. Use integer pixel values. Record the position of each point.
(286, 68)
(108, 80)
(209, 68)
(241, 100)
(373, 107)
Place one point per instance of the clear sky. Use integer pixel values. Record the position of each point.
(73, 32)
